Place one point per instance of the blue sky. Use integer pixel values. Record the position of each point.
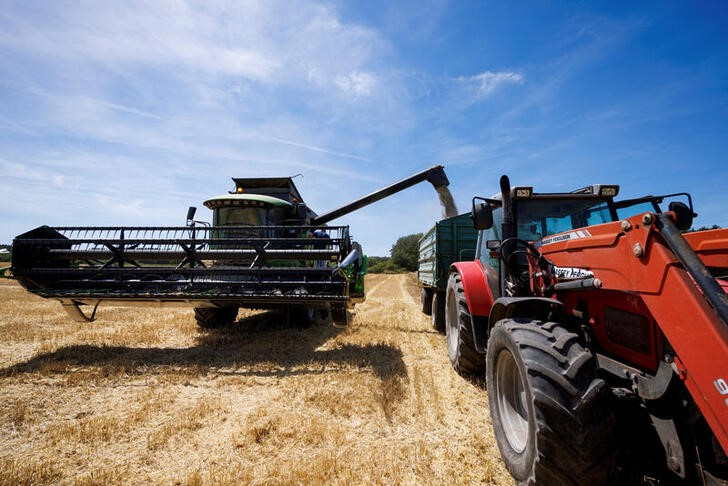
(128, 112)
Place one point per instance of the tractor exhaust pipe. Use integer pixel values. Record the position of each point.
(508, 229)
(434, 175)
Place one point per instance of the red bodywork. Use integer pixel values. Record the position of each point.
(475, 285)
(648, 294)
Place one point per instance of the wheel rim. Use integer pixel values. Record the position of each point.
(511, 401)
(453, 326)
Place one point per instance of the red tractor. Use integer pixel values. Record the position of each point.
(602, 329)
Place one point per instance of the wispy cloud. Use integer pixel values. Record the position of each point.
(313, 148)
(356, 84)
(482, 85)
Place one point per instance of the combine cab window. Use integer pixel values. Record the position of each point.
(538, 218)
(241, 216)
(248, 216)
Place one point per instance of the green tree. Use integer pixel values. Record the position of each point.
(703, 228)
(405, 252)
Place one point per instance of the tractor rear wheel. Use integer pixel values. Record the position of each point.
(549, 412)
(438, 311)
(215, 317)
(426, 301)
(459, 330)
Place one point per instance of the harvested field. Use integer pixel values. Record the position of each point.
(141, 396)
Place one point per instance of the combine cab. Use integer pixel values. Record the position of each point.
(265, 249)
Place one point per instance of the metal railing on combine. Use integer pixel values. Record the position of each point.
(131, 262)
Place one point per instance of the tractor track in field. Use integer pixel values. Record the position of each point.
(141, 396)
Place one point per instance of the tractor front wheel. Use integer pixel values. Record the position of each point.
(215, 317)
(547, 406)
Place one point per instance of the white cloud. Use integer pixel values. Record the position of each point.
(484, 84)
(356, 84)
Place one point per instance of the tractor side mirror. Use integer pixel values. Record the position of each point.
(482, 214)
(683, 215)
(191, 213)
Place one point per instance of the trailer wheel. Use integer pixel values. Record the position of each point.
(215, 317)
(549, 412)
(438, 311)
(426, 301)
(459, 330)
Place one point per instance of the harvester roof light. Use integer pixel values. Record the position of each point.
(239, 190)
(523, 192)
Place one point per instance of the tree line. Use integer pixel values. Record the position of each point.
(403, 257)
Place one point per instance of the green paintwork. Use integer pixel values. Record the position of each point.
(273, 201)
(450, 240)
(356, 278)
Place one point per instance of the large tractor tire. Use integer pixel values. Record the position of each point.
(426, 301)
(438, 311)
(549, 412)
(459, 330)
(215, 317)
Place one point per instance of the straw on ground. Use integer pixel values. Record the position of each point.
(141, 396)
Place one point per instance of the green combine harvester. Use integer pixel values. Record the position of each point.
(265, 249)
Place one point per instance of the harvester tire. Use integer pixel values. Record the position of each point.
(438, 311)
(549, 412)
(426, 301)
(215, 317)
(459, 331)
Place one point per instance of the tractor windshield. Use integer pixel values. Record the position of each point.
(537, 218)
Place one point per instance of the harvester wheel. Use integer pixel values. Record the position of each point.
(215, 317)
(549, 412)
(302, 317)
(438, 311)
(426, 301)
(459, 330)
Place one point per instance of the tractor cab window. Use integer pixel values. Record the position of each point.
(492, 233)
(538, 218)
(629, 211)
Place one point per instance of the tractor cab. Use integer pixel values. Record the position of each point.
(517, 222)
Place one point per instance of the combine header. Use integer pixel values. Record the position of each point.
(265, 249)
